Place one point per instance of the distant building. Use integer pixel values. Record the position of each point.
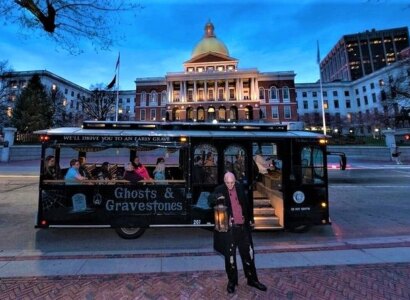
(126, 105)
(14, 82)
(211, 87)
(357, 55)
(359, 107)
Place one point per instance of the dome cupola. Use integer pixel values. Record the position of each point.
(209, 43)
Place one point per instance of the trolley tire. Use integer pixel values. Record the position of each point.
(300, 229)
(129, 233)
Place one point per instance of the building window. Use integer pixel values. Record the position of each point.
(315, 104)
(143, 98)
(304, 94)
(287, 112)
(325, 104)
(275, 112)
(262, 113)
(153, 114)
(142, 115)
(366, 101)
(356, 91)
(231, 94)
(335, 93)
(261, 93)
(220, 94)
(372, 85)
(66, 91)
(336, 103)
(154, 98)
(314, 94)
(305, 104)
(347, 94)
(190, 95)
(285, 91)
(211, 94)
(358, 102)
(348, 104)
(128, 100)
(273, 93)
(72, 93)
(374, 97)
(163, 97)
(324, 93)
(364, 88)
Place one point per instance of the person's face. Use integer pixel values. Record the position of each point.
(230, 182)
(137, 160)
(77, 165)
(52, 162)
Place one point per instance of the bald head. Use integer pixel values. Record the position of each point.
(229, 180)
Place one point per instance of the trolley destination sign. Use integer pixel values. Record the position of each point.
(121, 139)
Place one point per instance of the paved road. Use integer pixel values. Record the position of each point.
(363, 255)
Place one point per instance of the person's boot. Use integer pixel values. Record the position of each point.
(257, 284)
(230, 287)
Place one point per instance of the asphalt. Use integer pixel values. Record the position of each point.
(366, 268)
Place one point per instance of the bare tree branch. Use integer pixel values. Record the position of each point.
(68, 21)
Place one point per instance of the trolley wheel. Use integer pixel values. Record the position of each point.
(300, 229)
(130, 232)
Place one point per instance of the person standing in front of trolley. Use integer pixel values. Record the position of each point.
(239, 232)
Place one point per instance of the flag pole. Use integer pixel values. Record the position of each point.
(321, 90)
(118, 87)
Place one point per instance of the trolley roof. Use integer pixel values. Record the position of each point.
(178, 129)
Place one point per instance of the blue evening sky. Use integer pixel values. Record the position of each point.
(276, 35)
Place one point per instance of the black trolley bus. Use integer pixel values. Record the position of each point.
(290, 193)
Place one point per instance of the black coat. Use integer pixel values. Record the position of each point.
(242, 197)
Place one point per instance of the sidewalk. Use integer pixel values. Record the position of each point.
(372, 269)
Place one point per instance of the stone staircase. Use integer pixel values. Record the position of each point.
(264, 213)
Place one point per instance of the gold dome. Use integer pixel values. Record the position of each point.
(209, 43)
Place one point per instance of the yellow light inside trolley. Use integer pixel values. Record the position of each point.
(322, 141)
(323, 204)
(183, 139)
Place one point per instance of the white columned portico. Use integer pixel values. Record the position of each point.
(226, 90)
(205, 91)
(195, 95)
(216, 90)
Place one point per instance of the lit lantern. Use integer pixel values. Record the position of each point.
(221, 217)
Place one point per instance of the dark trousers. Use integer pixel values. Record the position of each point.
(240, 237)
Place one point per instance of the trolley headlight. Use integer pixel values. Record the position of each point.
(298, 197)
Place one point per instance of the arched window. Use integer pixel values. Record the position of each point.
(143, 99)
(190, 114)
(222, 113)
(249, 112)
(233, 113)
(261, 93)
(164, 97)
(211, 114)
(273, 93)
(153, 98)
(285, 91)
(175, 114)
(200, 114)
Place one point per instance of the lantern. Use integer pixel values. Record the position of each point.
(221, 217)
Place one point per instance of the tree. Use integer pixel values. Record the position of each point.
(99, 105)
(395, 95)
(58, 107)
(33, 109)
(6, 95)
(67, 21)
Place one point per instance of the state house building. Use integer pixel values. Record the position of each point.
(212, 87)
